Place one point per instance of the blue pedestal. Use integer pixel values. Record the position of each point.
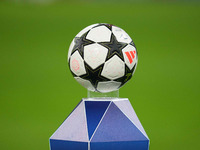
(101, 124)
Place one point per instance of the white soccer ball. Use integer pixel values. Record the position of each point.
(102, 57)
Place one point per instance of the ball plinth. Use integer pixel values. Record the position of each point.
(102, 57)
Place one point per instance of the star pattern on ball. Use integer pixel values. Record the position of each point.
(114, 47)
(109, 26)
(93, 75)
(128, 75)
(100, 74)
(80, 42)
(132, 43)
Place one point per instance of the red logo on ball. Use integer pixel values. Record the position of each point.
(130, 55)
(75, 65)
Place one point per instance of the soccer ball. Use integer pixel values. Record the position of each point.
(102, 57)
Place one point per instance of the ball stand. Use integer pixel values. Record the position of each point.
(101, 122)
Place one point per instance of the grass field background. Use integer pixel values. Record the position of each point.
(37, 90)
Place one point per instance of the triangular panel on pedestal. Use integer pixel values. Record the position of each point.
(94, 112)
(74, 128)
(126, 107)
(115, 126)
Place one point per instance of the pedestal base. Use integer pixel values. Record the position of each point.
(101, 124)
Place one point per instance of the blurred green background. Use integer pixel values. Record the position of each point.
(37, 90)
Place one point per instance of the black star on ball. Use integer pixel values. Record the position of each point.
(109, 26)
(94, 75)
(127, 76)
(114, 47)
(80, 42)
(132, 43)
